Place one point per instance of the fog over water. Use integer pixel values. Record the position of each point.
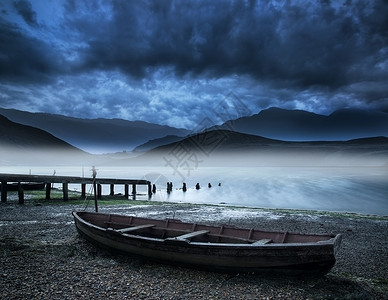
(349, 185)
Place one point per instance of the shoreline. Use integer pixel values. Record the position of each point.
(37, 198)
(31, 235)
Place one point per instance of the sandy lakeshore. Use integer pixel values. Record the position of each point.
(43, 257)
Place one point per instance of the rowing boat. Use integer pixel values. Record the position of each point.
(219, 248)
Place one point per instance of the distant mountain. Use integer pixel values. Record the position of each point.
(18, 136)
(213, 141)
(299, 125)
(224, 147)
(94, 135)
(151, 144)
(27, 145)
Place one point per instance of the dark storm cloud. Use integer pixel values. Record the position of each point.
(303, 45)
(134, 59)
(24, 8)
(288, 43)
(24, 58)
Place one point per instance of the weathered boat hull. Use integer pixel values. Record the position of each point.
(317, 258)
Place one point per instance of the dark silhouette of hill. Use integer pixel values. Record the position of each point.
(27, 145)
(94, 135)
(217, 140)
(224, 147)
(226, 140)
(299, 125)
(14, 135)
(157, 143)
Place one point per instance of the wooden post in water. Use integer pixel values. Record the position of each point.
(83, 190)
(4, 191)
(65, 189)
(48, 191)
(112, 189)
(134, 189)
(126, 190)
(20, 193)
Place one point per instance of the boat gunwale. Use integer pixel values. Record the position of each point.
(329, 242)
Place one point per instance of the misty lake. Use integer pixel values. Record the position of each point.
(346, 189)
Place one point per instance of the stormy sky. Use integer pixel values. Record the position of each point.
(176, 62)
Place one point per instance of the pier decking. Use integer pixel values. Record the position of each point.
(66, 180)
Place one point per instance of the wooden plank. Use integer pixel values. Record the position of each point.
(191, 235)
(231, 237)
(134, 228)
(284, 237)
(69, 179)
(65, 190)
(20, 193)
(4, 191)
(126, 190)
(48, 191)
(83, 190)
(262, 242)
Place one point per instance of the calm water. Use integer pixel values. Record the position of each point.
(360, 190)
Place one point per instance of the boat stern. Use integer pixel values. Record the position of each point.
(337, 244)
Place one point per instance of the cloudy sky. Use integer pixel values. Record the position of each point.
(176, 62)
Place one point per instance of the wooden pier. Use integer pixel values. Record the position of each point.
(65, 181)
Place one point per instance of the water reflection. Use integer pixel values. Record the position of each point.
(352, 189)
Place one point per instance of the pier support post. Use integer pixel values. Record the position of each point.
(4, 191)
(20, 193)
(48, 191)
(83, 190)
(112, 189)
(65, 189)
(99, 191)
(134, 189)
(149, 189)
(126, 190)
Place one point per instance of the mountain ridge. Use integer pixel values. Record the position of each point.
(116, 135)
(94, 135)
(224, 147)
(221, 139)
(300, 125)
(26, 137)
(25, 144)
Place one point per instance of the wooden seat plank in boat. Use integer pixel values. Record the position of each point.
(262, 242)
(189, 235)
(134, 228)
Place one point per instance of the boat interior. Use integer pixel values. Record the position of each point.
(173, 229)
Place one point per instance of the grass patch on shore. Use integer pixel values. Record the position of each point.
(56, 198)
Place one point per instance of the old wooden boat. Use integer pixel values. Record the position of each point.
(218, 248)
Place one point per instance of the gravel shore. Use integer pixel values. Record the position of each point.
(43, 257)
